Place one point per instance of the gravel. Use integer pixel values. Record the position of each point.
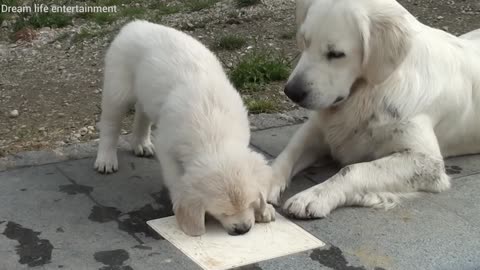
(50, 86)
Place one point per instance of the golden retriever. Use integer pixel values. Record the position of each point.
(202, 135)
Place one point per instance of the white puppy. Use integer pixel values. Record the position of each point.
(202, 136)
(390, 98)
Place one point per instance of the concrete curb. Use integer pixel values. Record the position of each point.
(89, 149)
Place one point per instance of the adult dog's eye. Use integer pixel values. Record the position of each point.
(335, 55)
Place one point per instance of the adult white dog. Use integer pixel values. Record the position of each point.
(390, 98)
(202, 136)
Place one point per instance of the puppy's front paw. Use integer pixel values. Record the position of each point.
(311, 203)
(268, 214)
(144, 149)
(106, 163)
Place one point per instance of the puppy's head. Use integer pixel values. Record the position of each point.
(342, 42)
(229, 188)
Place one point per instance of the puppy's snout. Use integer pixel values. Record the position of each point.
(295, 90)
(240, 229)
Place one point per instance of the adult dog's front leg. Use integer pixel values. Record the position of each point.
(305, 147)
(380, 184)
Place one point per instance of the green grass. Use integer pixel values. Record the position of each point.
(39, 20)
(247, 3)
(134, 12)
(86, 34)
(3, 16)
(197, 5)
(258, 68)
(82, 35)
(230, 43)
(165, 9)
(256, 106)
(102, 18)
(50, 20)
(193, 26)
(288, 35)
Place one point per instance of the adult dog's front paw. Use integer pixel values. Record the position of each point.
(314, 202)
(275, 193)
(106, 162)
(277, 187)
(268, 215)
(144, 149)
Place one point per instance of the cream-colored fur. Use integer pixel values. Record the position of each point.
(202, 135)
(390, 98)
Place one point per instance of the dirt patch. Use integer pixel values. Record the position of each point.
(52, 76)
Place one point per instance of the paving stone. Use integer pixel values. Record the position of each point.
(272, 141)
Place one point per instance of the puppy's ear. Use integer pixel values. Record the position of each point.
(301, 11)
(190, 216)
(387, 38)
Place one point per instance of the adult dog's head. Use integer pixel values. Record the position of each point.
(342, 42)
(230, 187)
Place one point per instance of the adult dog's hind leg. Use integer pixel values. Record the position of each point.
(305, 147)
(141, 141)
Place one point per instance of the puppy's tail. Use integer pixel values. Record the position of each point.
(385, 200)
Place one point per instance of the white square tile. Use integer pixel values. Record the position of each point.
(216, 250)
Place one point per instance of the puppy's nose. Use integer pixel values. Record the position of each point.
(240, 229)
(295, 90)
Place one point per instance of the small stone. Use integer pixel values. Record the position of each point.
(58, 46)
(42, 129)
(92, 128)
(14, 114)
(445, 28)
(83, 131)
(123, 131)
(61, 114)
(440, 17)
(286, 117)
(77, 135)
(60, 143)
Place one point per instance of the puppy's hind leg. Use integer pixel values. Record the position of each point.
(141, 142)
(117, 97)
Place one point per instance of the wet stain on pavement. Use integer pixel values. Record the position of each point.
(32, 250)
(135, 221)
(254, 266)
(453, 170)
(113, 259)
(142, 247)
(103, 214)
(73, 189)
(333, 258)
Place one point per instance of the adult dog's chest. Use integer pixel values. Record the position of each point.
(361, 130)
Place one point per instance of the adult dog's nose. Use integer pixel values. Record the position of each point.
(240, 229)
(295, 90)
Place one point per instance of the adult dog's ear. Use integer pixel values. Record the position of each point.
(190, 214)
(387, 39)
(302, 7)
(301, 11)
